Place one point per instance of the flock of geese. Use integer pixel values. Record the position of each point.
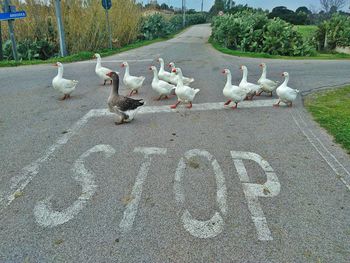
(166, 84)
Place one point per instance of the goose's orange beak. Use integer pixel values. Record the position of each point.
(109, 74)
(174, 70)
(224, 71)
(55, 65)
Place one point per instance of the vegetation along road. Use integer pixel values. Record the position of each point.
(209, 184)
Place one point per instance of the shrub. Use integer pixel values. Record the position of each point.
(334, 32)
(155, 26)
(254, 32)
(29, 50)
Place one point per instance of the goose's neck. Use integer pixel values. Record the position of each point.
(161, 64)
(286, 79)
(127, 72)
(263, 75)
(229, 79)
(155, 75)
(98, 64)
(115, 88)
(180, 81)
(60, 72)
(245, 75)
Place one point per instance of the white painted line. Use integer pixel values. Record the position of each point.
(132, 207)
(29, 172)
(252, 191)
(117, 61)
(43, 212)
(343, 175)
(18, 183)
(197, 228)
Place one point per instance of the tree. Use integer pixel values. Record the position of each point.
(327, 5)
(303, 9)
(219, 5)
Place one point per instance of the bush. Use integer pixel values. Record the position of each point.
(254, 32)
(334, 32)
(30, 50)
(156, 25)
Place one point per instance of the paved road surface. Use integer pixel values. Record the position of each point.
(258, 184)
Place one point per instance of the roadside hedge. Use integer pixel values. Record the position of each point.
(252, 31)
(334, 32)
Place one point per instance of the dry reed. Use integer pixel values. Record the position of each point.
(85, 27)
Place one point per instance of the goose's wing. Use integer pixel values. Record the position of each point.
(126, 104)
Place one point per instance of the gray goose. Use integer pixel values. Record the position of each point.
(121, 105)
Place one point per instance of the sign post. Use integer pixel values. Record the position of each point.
(1, 54)
(11, 31)
(63, 49)
(107, 4)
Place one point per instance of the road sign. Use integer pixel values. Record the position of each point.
(107, 4)
(14, 15)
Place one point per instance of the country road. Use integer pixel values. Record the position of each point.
(258, 184)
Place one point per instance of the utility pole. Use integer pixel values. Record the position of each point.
(231, 4)
(63, 49)
(184, 13)
(11, 32)
(109, 30)
(202, 6)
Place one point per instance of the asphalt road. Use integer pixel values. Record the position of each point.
(259, 184)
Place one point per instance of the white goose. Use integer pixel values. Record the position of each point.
(184, 93)
(266, 85)
(162, 74)
(102, 71)
(253, 88)
(174, 78)
(163, 88)
(285, 93)
(233, 93)
(65, 86)
(131, 82)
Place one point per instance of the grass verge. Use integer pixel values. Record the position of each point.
(238, 53)
(85, 55)
(331, 110)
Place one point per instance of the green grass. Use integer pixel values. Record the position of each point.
(332, 111)
(307, 31)
(238, 53)
(85, 55)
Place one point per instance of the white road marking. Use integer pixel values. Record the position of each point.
(43, 212)
(214, 226)
(252, 191)
(29, 172)
(131, 209)
(117, 61)
(335, 164)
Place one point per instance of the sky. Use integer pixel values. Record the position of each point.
(265, 4)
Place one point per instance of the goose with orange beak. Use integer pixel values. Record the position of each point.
(184, 93)
(124, 107)
(266, 85)
(286, 94)
(65, 86)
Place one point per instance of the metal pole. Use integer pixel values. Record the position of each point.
(184, 13)
(231, 3)
(109, 30)
(11, 32)
(63, 49)
(1, 54)
(202, 6)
